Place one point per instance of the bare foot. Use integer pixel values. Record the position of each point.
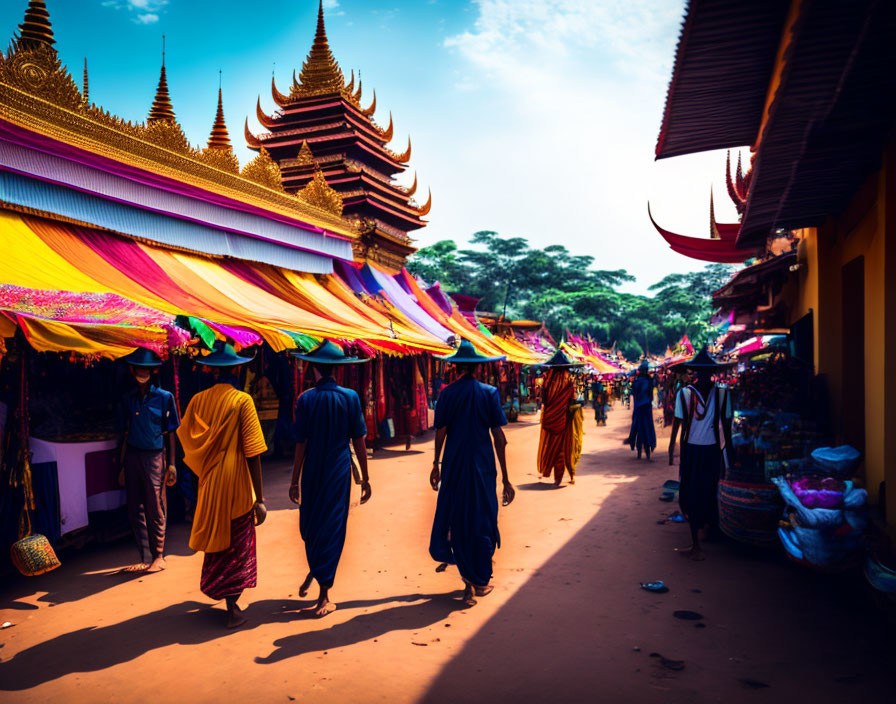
(139, 567)
(692, 553)
(305, 586)
(468, 596)
(324, 607)
(235, 618)
(484, 591)
(157, 565)
(442, 567)
(557, 484)
(572, 480)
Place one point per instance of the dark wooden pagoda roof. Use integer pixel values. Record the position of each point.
(822, 131)
(725, 58)
(830, 118)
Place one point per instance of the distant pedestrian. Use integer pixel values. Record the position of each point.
(149, 417)
(223, 444)
(465, 526)
(642, 435)
(703, 412)
(561, 433)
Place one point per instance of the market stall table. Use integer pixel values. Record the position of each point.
(80, 491)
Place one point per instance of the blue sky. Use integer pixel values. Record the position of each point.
(535, 118)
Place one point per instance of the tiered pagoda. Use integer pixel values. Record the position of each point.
(321, 135)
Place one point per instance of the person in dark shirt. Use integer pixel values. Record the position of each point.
(465, 526)
(149, 416)
(327, 418)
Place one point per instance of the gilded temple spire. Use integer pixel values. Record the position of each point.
(320, 73)
(219, 138)
(162, 110)
(35, 31)
(85, 86)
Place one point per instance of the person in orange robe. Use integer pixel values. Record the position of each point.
(556, 441)
(223, 443)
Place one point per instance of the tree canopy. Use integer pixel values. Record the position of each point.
(568, 293)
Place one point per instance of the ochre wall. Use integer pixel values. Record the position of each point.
(859, 231)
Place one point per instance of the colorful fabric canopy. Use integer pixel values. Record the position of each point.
(275, 302)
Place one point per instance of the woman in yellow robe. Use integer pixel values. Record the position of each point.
(223, 442)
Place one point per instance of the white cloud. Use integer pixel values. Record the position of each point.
(331, 4)
(570, 94)
(145, 11)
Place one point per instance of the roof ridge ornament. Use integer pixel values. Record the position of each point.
(264, 171)
(305, 156)
(321, 194)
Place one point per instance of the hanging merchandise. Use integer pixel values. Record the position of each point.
(32, 553)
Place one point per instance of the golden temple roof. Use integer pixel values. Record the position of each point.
(320, 73)
(38, 93)
(36, 30)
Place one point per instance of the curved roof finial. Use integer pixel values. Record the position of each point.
(372, 109)
(280, 99)
(426, 207)
(252, 141)
(406, 156)
(387, 134)
(713, 228)
(264, 119)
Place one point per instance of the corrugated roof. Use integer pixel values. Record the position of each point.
(48, 167)
(23, 191)
(723, 64)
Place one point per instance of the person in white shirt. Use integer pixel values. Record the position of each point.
(703, 413)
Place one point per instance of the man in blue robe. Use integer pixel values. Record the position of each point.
(465, 527)
(327, 418)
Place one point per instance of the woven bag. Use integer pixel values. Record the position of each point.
(33, 554)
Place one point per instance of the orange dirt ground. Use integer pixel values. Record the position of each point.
(567, 621)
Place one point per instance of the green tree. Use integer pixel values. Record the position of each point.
(567, 293)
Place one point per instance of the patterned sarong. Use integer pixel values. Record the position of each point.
(229, 572)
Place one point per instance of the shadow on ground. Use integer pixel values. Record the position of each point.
(582, 630)
(192, 622)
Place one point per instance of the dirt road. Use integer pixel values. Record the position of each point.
(566, 622)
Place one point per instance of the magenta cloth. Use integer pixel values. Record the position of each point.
(249, 275)
(229, 572)
(244, 337)
(819, 493)
(131, 260)
(350, 275)
(436, 293)
(101, 472)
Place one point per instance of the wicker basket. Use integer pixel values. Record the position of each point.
(33, 555)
